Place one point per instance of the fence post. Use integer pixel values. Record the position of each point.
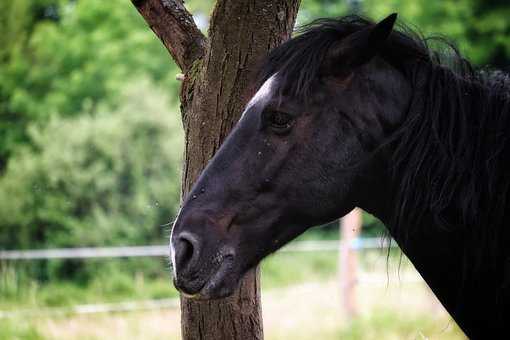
(350, 227)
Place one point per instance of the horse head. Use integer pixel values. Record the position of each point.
(298, 157)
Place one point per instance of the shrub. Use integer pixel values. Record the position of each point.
(106, 179)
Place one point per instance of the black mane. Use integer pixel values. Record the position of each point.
(451, 152)
(298, 60)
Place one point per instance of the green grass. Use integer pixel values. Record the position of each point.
(118, 283)
(384, 324)
(381, 325)
(63, 294)
(277, 271)
(111, 284)
(283, 269)
(19, 330)
(115, 281)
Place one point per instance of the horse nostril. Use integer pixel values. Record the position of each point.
(187, 249)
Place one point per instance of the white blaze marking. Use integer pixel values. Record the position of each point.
(172, 249)
(263, 94)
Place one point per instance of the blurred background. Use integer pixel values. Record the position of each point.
(90, 156)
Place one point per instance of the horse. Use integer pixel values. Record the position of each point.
(351, 113)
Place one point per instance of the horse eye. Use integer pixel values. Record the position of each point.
(280, 121)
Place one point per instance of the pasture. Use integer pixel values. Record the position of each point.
(300, 300)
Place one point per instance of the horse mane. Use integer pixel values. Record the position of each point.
(451, 157)
(450, 154)
(298, 60)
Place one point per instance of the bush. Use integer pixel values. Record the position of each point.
(107, 179)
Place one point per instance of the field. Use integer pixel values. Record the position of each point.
(300, 301)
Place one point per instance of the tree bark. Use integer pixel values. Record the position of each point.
(218, 75)
(175, 27)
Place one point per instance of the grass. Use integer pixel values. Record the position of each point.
(298, 312)
(285, 269)
(19, 330)
(385, 324)
(379, 325)
(115, 280)
(300, 301)
(64, 294)
(113, 284)
(116, 286)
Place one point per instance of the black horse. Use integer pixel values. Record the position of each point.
(351, 113)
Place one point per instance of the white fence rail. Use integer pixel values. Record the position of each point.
(119, 307)
(83, 253)
(162, 250)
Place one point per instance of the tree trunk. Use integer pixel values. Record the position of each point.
(218, 74)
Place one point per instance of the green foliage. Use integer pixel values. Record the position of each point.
(313, 9)
(480, 28)
(103, 179)
(71, 59)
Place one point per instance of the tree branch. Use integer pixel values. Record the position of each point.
(174, 25)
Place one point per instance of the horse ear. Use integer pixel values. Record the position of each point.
(359, 47)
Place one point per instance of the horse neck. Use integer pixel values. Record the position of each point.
(440, 257)
(465, 262)
(450, 157)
